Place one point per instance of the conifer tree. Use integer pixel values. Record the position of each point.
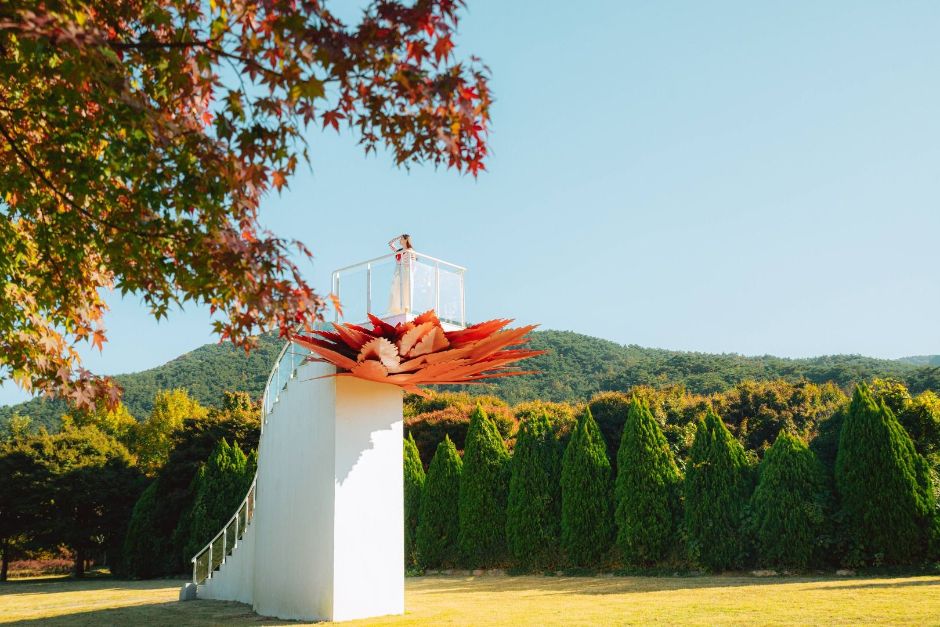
(884, 486)
(438, 522)
(586, 508)
(789, 504)
(219, 488)
(414, 490)
(484, 489)
(647, 489)
(717, 489)
(533, 517)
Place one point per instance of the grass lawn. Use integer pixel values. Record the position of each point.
(493, 600)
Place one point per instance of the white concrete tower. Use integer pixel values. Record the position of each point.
(320, 536)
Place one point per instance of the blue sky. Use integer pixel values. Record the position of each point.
(723, 177)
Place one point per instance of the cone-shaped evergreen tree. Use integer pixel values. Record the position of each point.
(789, 504)
(647, 490)
(586, 508)
(414, 490)
(219, 487)
(717, 489)
(438, 522)
(484, 488)
(533, 517)
(884, 486)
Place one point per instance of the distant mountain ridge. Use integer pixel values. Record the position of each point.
(922, 360)
(575, 367)
(206, 372)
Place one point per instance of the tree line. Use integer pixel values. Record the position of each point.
(140, 498)
(860, 492)
(627, 478)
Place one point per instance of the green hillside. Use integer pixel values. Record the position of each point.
(922, 360)
(575, 367)
(206, 372)
(579, 365)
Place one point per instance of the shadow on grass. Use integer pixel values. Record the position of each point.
(190, 613)
(879, 584)
(9, 585)
(66, 583)
(637, 585)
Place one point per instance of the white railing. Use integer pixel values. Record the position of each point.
(214, 554)
(399, 284)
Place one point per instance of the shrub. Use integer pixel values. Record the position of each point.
(756, 411)
(438, 522)
(789, 504)
(647, 490)
(484, 487)
(534, 512)
(717, 489)
(884, 485)
(586, 517)
(414, 489)
(561, 416)
(145, 553)
(429, 420)
(921, 420)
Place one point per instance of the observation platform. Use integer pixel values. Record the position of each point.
(400, 286)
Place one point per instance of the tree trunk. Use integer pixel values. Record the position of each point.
(78, 570)
(5, 560)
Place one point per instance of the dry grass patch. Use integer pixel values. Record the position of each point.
(515, 600)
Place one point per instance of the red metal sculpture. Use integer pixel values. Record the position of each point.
(421, 352)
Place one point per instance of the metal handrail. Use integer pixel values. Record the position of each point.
(391, 255)
(248, 503)
(421, 259)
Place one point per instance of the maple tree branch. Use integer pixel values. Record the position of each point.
(22, 156)
(150, 45)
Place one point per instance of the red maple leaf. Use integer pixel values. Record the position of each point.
(332, 118)
(442, 48)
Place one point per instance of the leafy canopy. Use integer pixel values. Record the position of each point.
(138, 138)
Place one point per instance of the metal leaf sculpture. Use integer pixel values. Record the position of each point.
(421, 352)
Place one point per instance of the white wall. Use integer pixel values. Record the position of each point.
(294, 549)
(368, 545)
(328, 530)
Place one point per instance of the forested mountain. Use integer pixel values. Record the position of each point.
(206, 373)
(575, 367)
(578, 365)
(922, 360)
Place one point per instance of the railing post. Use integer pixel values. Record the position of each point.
(224, 544)
(463, 303)
(194, 572)
(235, 545)
(437, 287)
(210, 569)
(368, 288)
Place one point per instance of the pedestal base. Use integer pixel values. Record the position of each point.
(327, 538)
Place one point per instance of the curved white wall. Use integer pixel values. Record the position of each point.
(326, 541)
(235, 581)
